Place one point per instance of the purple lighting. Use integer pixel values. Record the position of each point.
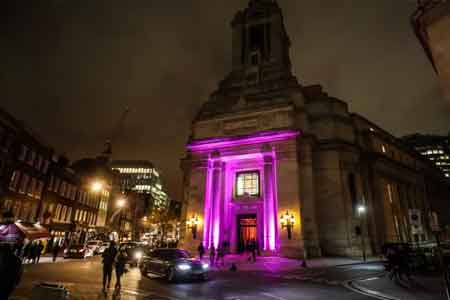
(221, 209)
(262, 137)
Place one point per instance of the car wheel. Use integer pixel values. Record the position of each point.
(204, 277)
(171, 276)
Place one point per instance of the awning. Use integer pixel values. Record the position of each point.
(12, 233)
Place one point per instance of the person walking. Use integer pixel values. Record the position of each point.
(39, 249)
(11, 270)
(108, 256)
(201, 251)
(121, 260)
(55, 251)
(32, 253)
(212, 255)
(26, 252)
(220, 255)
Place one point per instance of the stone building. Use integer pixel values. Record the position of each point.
(289, 166)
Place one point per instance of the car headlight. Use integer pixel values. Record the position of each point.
(183, 267)
(205, 266)
(138, 255)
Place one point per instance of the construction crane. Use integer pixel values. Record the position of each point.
(107, 152)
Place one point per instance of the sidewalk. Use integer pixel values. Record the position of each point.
(276, 264)
(419, 288)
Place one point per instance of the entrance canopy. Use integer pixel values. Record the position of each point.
(16, 232)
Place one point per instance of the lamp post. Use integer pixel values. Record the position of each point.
(287, 221)
(362, 210)
(192, 224)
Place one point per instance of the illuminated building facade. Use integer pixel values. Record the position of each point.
(289, 167)
(141, 177)
(436, 148)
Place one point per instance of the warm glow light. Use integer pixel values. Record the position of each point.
(121, 202)
(96, 186)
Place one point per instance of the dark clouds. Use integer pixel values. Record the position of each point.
(69, 67)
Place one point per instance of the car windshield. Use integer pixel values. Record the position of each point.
(170, 254)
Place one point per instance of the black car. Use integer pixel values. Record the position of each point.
(75, 251)
(173, 264)
(134, 252)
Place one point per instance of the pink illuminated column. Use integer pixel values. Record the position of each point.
(213, 205)
(269, 203)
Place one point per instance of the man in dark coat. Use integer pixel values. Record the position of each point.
(11, 265)
(108, 261)
(39, 248)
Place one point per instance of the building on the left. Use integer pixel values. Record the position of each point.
(39, 187)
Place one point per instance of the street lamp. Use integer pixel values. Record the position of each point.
(287, 221)
(362, 209)
(192, 224)
(121, 202)
(96, 186)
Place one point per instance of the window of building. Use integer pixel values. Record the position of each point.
(63, 213)
(39, 161)
(68, 214)
(23, 152)
(247, 184)
(24, 183)
(31, 187)
(45, 167)
(56, 216)
(31, 157)
(62, 189)
(14, 180)
(56, 185)
(389, 192)
(39, 189)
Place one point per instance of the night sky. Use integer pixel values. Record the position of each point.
(68, 68)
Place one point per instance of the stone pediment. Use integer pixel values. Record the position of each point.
(245, 123)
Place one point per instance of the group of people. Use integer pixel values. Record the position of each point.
(216, 256)
(113, 258)
(31, 252)
(252, 248)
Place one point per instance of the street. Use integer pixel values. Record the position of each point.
(83, 279)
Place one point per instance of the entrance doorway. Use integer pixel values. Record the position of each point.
(246, 230)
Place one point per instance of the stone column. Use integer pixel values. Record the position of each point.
(216, 202)
(269, 203)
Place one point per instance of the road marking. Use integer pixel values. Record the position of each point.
(273, 296)
(366, 292)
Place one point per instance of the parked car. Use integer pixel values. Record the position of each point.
(75, 251)
(103, 247)
(94, 246)
(134, 251)
(173, 264)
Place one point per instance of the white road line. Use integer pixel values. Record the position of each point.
(273, 296)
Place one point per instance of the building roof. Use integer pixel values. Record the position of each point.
(131, 163)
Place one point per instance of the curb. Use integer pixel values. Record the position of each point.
(353, 286)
